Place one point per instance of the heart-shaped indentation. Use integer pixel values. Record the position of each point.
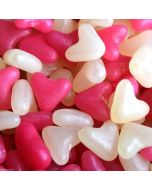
(91, 73)
(141, 66)
(125, 106)
(49, 92)
(112, 37)
(42, 25)
(102, 141)
(133, 138)
(59, 141)
(141, 24)
(94, 101)
(89, 47)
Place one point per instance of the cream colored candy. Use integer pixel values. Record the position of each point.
(136, 163)
(92, 73)
(65, 25)
(72, 118)
(65, 73)
(102, 141)
(2, 64)
(89, 47)
(133, 138)
(59, 141)
(22, 97)
(22, 60)
(141, 66)
(8, 120)
(97, 23)
(126, 107)
(130, 46)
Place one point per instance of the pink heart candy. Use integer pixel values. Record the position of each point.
(141, 24)
(42, 25)
(49, 92)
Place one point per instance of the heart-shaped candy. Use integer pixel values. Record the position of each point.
(126, 107)
(133, 138)
(102, 141)
(141, 24)
(49, 92)
(59, 141)
(89, 47)
(141, 66)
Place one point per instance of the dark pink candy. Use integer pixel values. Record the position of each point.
(36, 45)
(94, 101)
(147, 153)
(31, 147)
(9, 141)
(42, 25)
(49, 92)
(39, 119)
(8, 76)
(10, 35)
(71, 167)
(141, 24)
(3, 152)
(72, 156)
(114, 165)
(2, 168)
(90, 162)
(112, 36)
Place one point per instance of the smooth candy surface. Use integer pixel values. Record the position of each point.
(22, 60)
(141, 24)
(89, 46)
(8, 76)
(91, 162)
(94, 101)
(141, 66)
(72, 118)
(133, 138)
(71, 167)
(59, 141)
(137, 163)
(112, 37)
(42, 25)
(146, 153)
(22, 98)
(31, 147)
(49, 93)
(3, 153)
(102, 141)
(8, 120)
(124, 99)
(97, 23)
(91, 73)
(36, 45)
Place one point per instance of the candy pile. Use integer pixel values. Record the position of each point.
(76, 95)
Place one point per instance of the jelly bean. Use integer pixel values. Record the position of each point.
(22, 60)
(8, 120)
(60, 41)
(72, 118)
(10, 35)
(2, 150)
(124, 99)
(141, 24)
(59, 141)
(93, 101)
(131, 45)
(146, 153)
(71, 167)
(112, 37)
(36, 45)
(137, 163)
(97, 23)
(8, 76)
(133, 138)
(89, 46)
(113, 165)
(91, 73)
(52, 91)
(42, 25)
(102, 141)
(141, 65)
(39, 119)
(64, 25)
(22, 99)
(14, 161)
(2, 64)
(90, 162)
(31, 147)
